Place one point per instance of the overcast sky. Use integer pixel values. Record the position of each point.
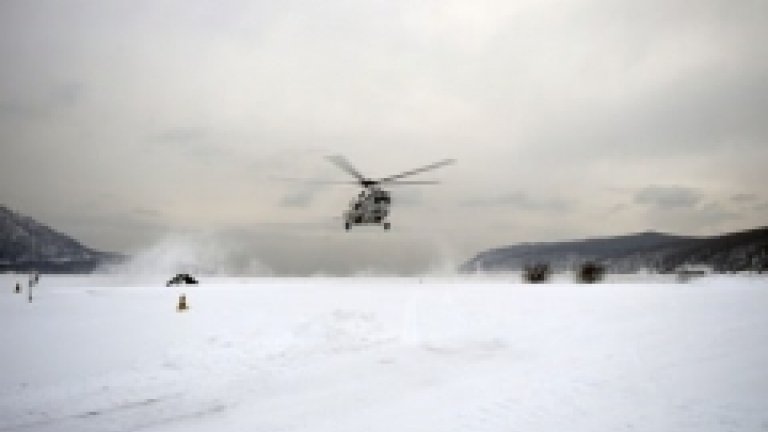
(126, 123)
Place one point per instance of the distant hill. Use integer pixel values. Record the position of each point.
(27, 245)
(740, 251)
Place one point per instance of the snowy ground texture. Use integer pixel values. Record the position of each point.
(104, 354)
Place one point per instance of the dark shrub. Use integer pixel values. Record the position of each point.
(536, 273)
(590, 272)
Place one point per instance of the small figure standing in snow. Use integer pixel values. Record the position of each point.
(182, 306)
(18, 288)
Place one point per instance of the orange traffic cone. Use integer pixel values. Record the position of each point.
(182, 306)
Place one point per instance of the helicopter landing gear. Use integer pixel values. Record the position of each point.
(387, 225)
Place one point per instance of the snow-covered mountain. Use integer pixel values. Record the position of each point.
(740, 251)
(26, 244)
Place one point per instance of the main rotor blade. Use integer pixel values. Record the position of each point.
(412, 182)
(344, 164)
(313, 181)
(418, 170)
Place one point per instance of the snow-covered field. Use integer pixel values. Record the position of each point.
(105, 354)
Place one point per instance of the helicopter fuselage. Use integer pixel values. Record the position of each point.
(369, 207)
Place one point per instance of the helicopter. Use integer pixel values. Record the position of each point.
(371, 205)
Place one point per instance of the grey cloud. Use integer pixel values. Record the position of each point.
(299, 158)
(20, 110)
(66, 94)
(182, 135)
(408, 197)
(616, 208)
(145, 212)
(685, 80)
(112, 230)
(299, 199)
(744, 197)
(668, 197)
(39, 106)
(195, 144)
(521, 201)
(705, 113)
(714, 214)
(302, 198)
(703, 219)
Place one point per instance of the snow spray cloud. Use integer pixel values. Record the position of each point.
(446, 260)
(443, 262)
(199, 254)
